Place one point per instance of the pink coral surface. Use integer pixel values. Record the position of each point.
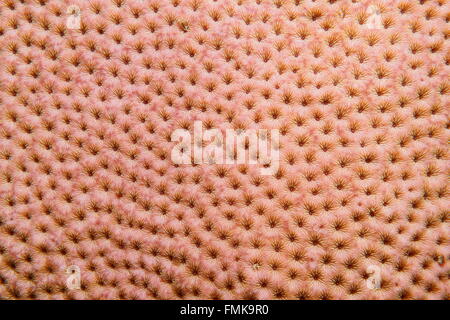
(358, 208)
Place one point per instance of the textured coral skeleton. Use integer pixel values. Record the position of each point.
(88, 106)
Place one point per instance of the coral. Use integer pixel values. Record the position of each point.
(86, 177)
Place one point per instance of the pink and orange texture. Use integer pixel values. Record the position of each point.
(87, 180)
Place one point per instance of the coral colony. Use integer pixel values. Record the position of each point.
(229, 149)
